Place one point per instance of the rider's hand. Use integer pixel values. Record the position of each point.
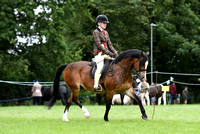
(111, 55)
(116, 55)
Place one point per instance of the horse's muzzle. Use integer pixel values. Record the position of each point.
(141, 75)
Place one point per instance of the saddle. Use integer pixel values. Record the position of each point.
(107, 64)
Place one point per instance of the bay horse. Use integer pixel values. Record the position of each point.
(117, 80)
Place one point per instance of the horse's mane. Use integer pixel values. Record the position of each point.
(133, 53)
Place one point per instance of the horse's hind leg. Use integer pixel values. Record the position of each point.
(68, 104)
(76, 100)
(144, 116)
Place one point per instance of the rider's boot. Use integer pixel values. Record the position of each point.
(97, 88)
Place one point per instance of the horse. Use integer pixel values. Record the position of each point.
(118, 79)
(63, 95)
(155, 91)
(47, 94)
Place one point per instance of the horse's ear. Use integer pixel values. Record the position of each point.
(142, 54)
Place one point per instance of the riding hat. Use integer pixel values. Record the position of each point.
(102, 18)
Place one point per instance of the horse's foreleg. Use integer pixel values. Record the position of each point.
(122, 99)
(108, 105)
(144, 116)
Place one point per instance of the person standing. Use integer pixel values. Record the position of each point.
(178, 98)
(172, 92)
(143, 88)
(36, 92)
(185, 94)
(103, 48)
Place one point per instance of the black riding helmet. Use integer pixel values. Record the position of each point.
(101, 18)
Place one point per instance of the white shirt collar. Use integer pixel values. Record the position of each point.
(100, 28)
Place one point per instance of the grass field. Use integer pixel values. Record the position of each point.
(173, 119)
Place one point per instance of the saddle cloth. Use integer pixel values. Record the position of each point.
(107, 63)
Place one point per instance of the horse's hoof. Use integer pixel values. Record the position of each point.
(106, 119)
(145, 118)
(87, 117)
(65, 120)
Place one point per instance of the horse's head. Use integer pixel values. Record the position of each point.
(134, 59)
(140, 65)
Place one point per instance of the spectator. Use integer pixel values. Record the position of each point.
(36, 92)
(143, 91)
(172, 92)
(178, 98)
(185, 94)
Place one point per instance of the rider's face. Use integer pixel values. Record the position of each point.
(102, 25)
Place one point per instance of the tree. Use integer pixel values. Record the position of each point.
(129, 24)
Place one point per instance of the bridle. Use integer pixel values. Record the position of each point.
(134, 71)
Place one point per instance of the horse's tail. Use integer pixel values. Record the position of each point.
(56, 86)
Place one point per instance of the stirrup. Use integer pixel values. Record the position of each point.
(97, 89)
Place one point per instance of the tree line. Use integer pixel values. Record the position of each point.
(62, 33)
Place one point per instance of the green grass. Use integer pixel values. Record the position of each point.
(174, 119)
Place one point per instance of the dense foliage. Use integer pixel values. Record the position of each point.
(62, 33)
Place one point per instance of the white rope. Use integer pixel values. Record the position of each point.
(174, 73)
(183, 83)
(30, 83)
(63, 83)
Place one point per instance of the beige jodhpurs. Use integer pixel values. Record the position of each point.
(146, 95)
(99, 59)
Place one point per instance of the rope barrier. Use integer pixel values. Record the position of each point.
(30, 83)
(177, 73)
(26, 98)
(63, 83)
(16, 99)
(183, 83)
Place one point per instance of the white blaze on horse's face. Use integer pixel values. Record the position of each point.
(146, 64)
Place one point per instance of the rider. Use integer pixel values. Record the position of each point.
(103, 48)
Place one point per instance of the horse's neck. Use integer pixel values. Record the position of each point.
(124, 70)
(127, 63)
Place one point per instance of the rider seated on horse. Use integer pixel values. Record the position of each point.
(103, 48)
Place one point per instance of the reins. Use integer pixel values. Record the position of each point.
(113, 67)
(122, 66)
(133, 64)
